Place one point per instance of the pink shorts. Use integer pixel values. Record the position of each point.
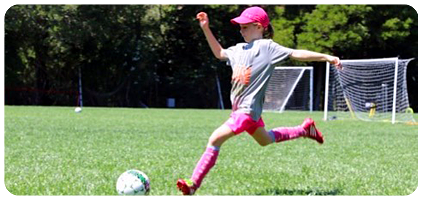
(240, 122)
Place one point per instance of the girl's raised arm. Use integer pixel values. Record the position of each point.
(213, 43)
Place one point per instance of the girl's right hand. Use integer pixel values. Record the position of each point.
(203, 19)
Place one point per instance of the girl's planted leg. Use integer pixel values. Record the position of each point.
(207, 161)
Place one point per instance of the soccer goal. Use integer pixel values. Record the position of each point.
(289, 88)
(369, 90)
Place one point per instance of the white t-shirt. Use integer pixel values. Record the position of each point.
(252, 65)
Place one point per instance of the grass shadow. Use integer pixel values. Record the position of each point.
(301, 192)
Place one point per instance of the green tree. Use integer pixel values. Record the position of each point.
(134, 54)
(357, 31)
(111, 45)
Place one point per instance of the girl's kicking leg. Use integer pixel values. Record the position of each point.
(207, 161)
(307, 129)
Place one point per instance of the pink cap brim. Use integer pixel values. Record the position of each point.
(242, 20)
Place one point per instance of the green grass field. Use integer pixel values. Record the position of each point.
(54, 151)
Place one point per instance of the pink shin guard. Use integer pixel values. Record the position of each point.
(286, 133)
(206, 162)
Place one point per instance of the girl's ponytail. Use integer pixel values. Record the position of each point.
(269, 32)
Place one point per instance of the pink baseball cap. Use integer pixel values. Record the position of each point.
(252, 14)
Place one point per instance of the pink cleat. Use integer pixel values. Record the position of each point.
(311, 131)
(186, 186)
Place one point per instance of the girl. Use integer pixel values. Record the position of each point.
(252, 64)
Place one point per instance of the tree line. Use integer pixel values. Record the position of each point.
(140, 55)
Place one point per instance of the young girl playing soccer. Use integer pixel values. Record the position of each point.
(252, 64)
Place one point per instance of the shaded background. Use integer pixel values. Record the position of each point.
(140, 55)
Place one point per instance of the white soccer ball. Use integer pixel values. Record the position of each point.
(78, 109)
(133, 182)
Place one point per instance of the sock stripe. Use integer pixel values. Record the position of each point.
(215, 148)
(272, 135)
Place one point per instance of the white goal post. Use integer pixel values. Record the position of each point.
(290, 88)
(369, 90)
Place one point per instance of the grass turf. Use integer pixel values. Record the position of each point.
(54, 151)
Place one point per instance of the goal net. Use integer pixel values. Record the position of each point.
(369, 90)
(289, 88)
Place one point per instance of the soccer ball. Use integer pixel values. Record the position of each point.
(78, 109)
(133, 182)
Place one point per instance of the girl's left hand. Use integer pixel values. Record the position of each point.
(336, 62)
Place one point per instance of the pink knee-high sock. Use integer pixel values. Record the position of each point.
(286, 133)
(206, 162)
